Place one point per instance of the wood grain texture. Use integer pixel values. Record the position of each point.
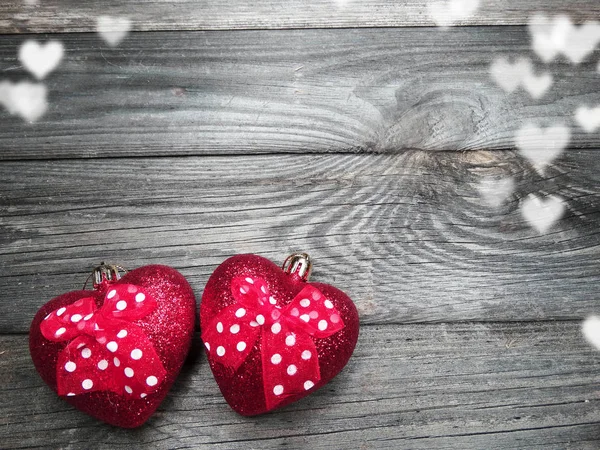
(407, 235)
(220, 128)
(292, 91)
(48, 16)
(467, 386)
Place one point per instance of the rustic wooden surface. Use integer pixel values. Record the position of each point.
(293, 91)
(407, 235)
(443, 386)
(43, 16)
(364, 146)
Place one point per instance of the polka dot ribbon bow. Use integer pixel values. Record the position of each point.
(289, 356)
(107, 352)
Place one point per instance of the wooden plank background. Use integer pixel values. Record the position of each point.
(51, 16)
(293, 91)
(467, 386)
(407, 235)
(222, 128)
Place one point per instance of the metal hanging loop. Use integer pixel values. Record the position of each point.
(299, 264)
(105, 272)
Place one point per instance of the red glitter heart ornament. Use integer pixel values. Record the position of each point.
(114, 352)
(271, 337)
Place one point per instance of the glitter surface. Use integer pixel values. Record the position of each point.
(243, 388)
(169, 327)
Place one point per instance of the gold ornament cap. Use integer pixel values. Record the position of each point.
(105, 272)
(298, 264)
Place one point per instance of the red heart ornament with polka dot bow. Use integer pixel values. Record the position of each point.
(271, 337)
(114, 352)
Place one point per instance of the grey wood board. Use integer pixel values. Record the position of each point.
(443, 386)
(407, 236)
(290, 91)
(47, 16)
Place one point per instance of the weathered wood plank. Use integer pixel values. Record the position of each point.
(406, 235)
(464, 386)
(294, 91)
(47, 16)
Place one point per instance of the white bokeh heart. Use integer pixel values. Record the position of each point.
(581, 41)
(495, 191)
(509, 76)
(549, 36)
(542, 214)
(113, 29)
(542, 146)
(537, 85)
(446, 14)
(28, 100)
(40, 59)
(591, 330)
(588, 118)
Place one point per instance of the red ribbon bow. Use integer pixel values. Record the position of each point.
(290, 362)
(107, 352)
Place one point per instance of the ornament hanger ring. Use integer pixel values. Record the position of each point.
(105, 272)
(299, 264)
